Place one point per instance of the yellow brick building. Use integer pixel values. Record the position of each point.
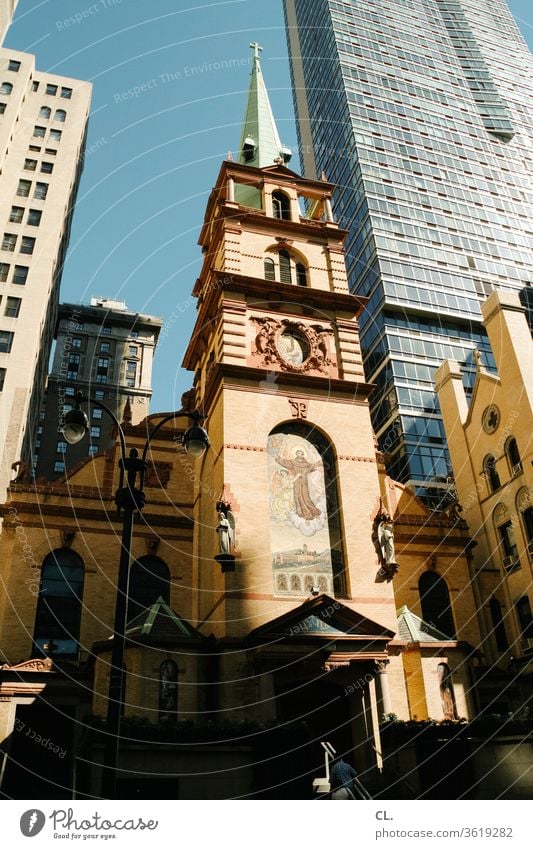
(490, 442)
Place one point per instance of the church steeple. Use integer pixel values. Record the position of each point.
(260, 144)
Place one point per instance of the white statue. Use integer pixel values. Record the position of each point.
(386, 541)
(226, 532)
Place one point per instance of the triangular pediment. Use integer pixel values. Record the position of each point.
(323, 617)
(281, 169)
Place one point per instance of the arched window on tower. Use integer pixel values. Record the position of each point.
(58, 615)
(498, 624)
(281, 206)
(149, 579)
(6, 88)
(285, 266)
(168, 691)
(491, 474)
(270, 268)
(447, 693)
(285, 274)
(45, 112)
(60, 115)
(435, 602)
(301, 274)
(513, 456)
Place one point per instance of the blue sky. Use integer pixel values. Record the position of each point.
(169, 96)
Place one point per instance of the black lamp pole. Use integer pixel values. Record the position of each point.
(129, 499)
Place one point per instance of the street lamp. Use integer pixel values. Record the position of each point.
(129, 499)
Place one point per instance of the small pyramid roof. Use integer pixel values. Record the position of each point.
(413, 629)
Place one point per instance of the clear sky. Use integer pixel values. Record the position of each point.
(170, 81)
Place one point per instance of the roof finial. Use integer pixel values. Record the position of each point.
(256, 48)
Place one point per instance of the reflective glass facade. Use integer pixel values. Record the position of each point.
(420, 111)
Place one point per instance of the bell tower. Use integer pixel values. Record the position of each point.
(278, 373)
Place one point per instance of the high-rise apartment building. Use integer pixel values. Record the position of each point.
(43, 120)
(7, 10)
(106, 351)
(420, 111)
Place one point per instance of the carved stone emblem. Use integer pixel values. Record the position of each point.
(293, 345)
(298, 408)
(158, 474)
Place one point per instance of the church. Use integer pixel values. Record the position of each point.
(283, 590)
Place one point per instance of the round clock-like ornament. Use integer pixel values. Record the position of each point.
(293, 347)
(490, 419)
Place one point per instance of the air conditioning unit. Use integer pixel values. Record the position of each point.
(517, 469)
(526, 645)
(511, 563)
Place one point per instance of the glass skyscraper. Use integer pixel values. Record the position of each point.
(421, 112)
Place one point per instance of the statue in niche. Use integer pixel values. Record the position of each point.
(168, 690)
(446, 692)
(301, 468)
(226, 531)
(226, 536)
(383, 539)
(386, 540)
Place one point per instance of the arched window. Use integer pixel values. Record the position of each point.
(281, 206)
(58, 616)
(447, 694)
(527, 518)
(60, 115)
(270, 269)
(498, 624)
(45, 112)
(285, 275)
(513, 456)
(435, 601)
(168, 691)
(491, 475)
(284, 266)
(301, 274)
(305, 529)
(525, 619)
(6, 88)
(149, 579)
(505, 529)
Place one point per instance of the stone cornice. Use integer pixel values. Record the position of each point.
(273, 295)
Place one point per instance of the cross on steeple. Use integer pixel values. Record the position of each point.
(256, 48)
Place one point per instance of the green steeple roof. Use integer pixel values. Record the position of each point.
(260, 144)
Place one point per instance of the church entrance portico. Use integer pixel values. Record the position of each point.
(322, 660)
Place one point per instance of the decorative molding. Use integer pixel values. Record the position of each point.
(34, 665)
(357, 459)
(315, 338)
(245, 447)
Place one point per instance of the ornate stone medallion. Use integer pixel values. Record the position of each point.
(491, 419)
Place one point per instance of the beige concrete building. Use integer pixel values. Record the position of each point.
(43, 122)
(106, 351)
(7, 10)
(492, 451)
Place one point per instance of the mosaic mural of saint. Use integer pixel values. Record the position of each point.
(300, 536)
(301, 469)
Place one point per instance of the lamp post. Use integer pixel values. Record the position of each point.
(129, 499)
